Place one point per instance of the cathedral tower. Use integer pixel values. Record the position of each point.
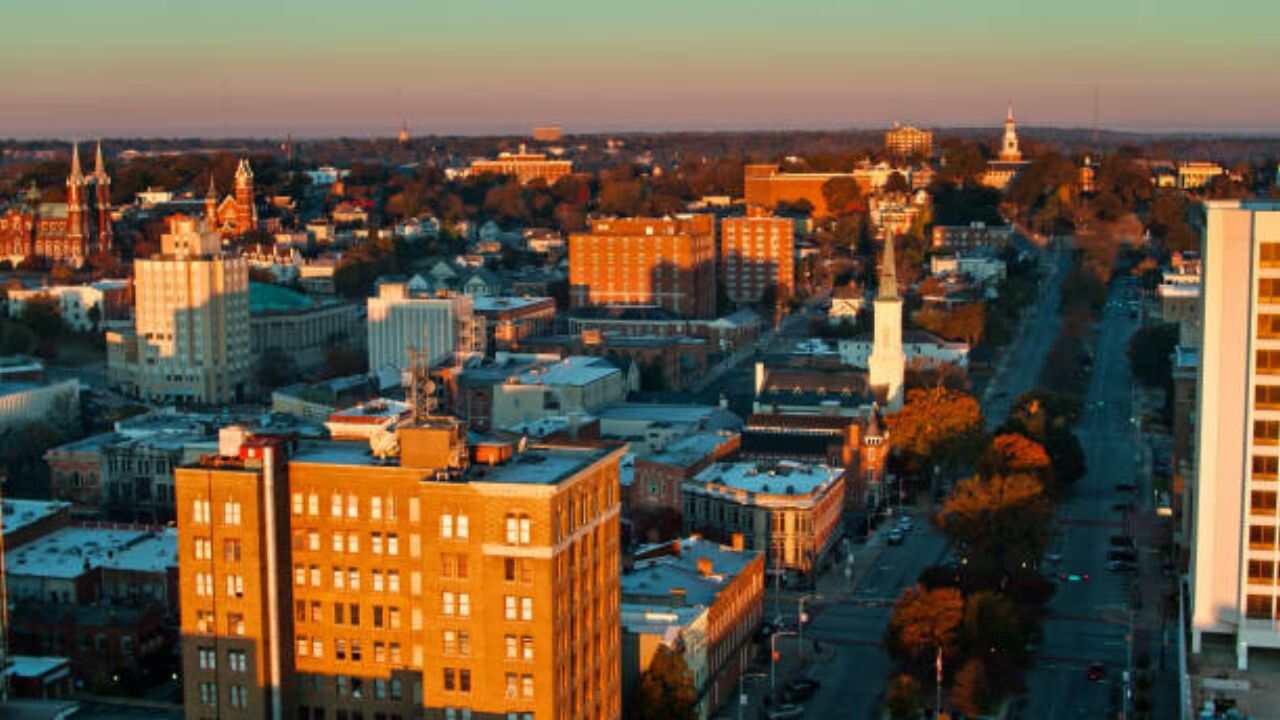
(246, 210)
(887, 363)
(1009, 151)
(77, 209)
(102, 194)
(211, 205)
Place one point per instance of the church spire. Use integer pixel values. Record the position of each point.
(99, 167)
(888, 273)
(1009, 116)
(76, 175)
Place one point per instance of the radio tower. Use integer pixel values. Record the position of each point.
(422, 390)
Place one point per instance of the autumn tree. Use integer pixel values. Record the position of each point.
(937, 426)
(842, 195)
(43, 315)
(903, 698)
(1016, 453)
(1048, 418)
(666, 689)
(924, 620)
(994, 631)
(1002, 519)
(969, 692)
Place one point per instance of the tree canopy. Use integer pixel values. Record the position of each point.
(1003, 520)
(937, 425)
(924, 620)
(666, 689)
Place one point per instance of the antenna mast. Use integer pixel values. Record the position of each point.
(422, 390)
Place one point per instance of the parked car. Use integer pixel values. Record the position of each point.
(784, 712)
(1122, 556)
(1096, 672)
(797, 691)
(1120, 566)
(895, 537)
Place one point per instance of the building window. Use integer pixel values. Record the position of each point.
(208, 693)
(463, 527)
(353, 542)
(231, 550)
(1266, 467)
(353, 579)
(200, 511)
(449, 642)
(526, 648)
(297, 503)
(1266, 432)
(447, 605)
(375, 543)
(1258, 607)
(335, 506)
(1267, 362)
(517, 527)
(203, 548)
(393, 544)
(446, 526)
(204, 584)
(208, 658)
(1262, 537)
(236, 660)
(313, 505)
(526, 608)
(1267, 397)
(235, 586)
(375, 508)
(231, 512)
(1262, 502)
(313, 541)
(1262, 572)
(513, 685)
(450, 680)
(509, 607)
(512, 647)
(1269, 255)
(235, 624)
(526, 686)
(353, 507)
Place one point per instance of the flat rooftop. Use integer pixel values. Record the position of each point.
(691, 448)
(68, 552)
(669, 591)
(497, 304)
(573, 370)
(21, 513)
(538, 465)
(784, 477)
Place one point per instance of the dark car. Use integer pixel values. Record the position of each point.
(1123, 507)
(1120, 566)
(783, 712)
(1096, 672)
(1122, 556)
(1122, 541)
(800, 690)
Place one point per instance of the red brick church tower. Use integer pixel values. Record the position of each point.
(246, 210)
(73, 241)
(102, 194)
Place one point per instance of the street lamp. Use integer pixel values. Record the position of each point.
(773, 659)
(801, 618)
(742, 689)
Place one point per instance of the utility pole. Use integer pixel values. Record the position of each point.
(937, 698)
(800, 619)
(773, 660)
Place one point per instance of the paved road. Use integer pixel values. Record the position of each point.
(1019, 368)
(853, 683)
(1088, 621)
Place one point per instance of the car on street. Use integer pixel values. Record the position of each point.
(1053, 558)
(1096, 672)
(1073, 577)
(895, 537)
(1120, 566)
(800, 690)
(1123, 506)
(1122, 556)
(905, 524)
(1122, 541)
(784, 712)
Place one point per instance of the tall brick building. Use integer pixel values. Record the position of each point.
(907, 140)
(757, 252)
(665, 262)
(441, 581)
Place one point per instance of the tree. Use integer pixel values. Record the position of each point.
(969, 692)
(842, 195)
(1002, 520)
(62, 274)
(1150, 354)
(43, 315)
(666, 689)
(937, 425)
(992, 630)
(896, 183)
(903, 697)
(1016, 453)
(341, 360)
(276, 368)
(922, 621)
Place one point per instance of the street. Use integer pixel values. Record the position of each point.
(1088, 621)
(853, 624)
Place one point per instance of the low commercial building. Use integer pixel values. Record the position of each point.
(301, 327)
(1197, 174)
(974, 236)
(982, 268)
(92, 564)
(650, 427)
(510, 320)
(907, 141)
(524, 166)
(27, 520)
(725, 334)
(701, 599)
(576, 384)
(444, 328)
(811, 391)
(654, 501)
(317, 401)
(860, 445)
(22, 403)
(922, 350)
(84, 308)
(790, 511)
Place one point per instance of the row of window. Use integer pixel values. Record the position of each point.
(349, 579)
(202, 547)
(237, 695)
(349, 505)
(201, 512)
(208, 659)
(204, 585)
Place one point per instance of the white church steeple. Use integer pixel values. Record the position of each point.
(1009, 151)
(888, 363)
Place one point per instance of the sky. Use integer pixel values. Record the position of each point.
(76, 69)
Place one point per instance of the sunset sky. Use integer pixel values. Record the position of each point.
(176, 67)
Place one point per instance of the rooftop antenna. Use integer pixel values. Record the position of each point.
(1095, 116)
(422, 390)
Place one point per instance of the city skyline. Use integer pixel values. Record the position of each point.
(236, 69)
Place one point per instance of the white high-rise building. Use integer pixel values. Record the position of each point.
(190, 342)
(1234, 551)
(401, 320)
(888, 363)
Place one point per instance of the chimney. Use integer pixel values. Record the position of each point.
(739, 542)
(230, 438)
(704, 566)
